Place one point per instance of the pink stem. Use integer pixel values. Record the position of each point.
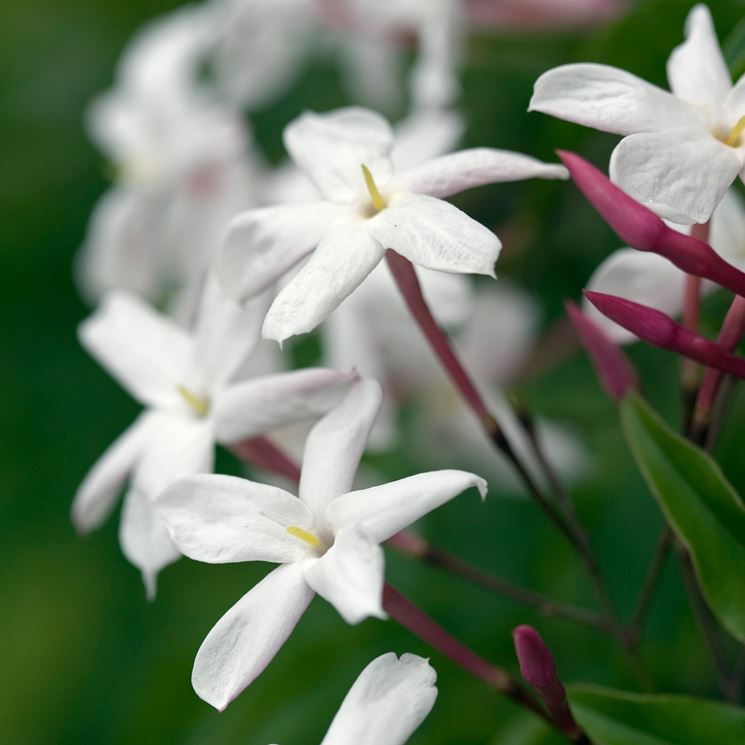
(408, 283)
(411, 617)
(733, 329)
(263, 453)
(691, 314)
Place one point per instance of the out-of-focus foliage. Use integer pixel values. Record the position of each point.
(84, 658)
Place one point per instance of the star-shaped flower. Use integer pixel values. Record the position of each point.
(365, 209)
(184, 381)
(327, 540)
(682, 150)
(388, 701)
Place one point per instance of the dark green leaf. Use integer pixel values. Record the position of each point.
(701, 506)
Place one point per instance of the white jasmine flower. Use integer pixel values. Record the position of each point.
(365, 209)
(682, 150)
(444, 427)
(652, 280)
(327, 540)
(185, 382)
(182, 166)
(388, 701)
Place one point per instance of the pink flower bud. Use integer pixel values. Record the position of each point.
(536, 662)
(658, 329)
(615, 372)
(638, 226)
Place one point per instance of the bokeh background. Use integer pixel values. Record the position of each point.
(83, 657)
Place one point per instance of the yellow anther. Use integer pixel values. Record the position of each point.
(200, 405)
(304, 535)
(735, 132)
(375, 196)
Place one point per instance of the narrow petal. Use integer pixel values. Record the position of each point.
(332, 147)
(382, 511)
(262, 244)
(97, 495)
(608, 99)
(645, 278)
(260, 405)
(225, 335)
(350, 576)
(386, 704)
(244, 641)
(178, 446)
(221, 519)
(680, 175)
(143, 538)
(341, 262)
(452, 174)
(696, 70)
(143, 350)
(436, 235)
(335, 445)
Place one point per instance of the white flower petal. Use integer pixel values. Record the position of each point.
(452, 174)
(681, 175)
(350, 576)
(426, 134)
(143, 538)
(262, 244)
(382, 511)
(642, 277)
(696, 70)
(436, 235)
(335, 445)
(225, 335)
(260, 405)
(244, 641)
(178, 445)
(97, 495)
(345, 256)
(609, 99)
(143, 350)
(331, 148)
(387, 702)
(221, 519)
(727, 234)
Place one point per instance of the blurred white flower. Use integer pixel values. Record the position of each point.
(542, 14)
(182, 165)
(388, 701)
(185, 381)
(494, 344)
(326, 541)
(365, 209)
(652, 280)
(681, 151)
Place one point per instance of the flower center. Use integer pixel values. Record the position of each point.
(733, 138)
(376, 199)
(306, 536)
(199, 405)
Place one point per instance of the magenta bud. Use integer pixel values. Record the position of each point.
(616, 374)
(656, 328)
(536, 662)
(641, 228)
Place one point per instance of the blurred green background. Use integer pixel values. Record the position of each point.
(83, 657)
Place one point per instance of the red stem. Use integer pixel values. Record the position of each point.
(263, 453)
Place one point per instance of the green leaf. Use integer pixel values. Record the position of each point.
(700, 505)
(734, 49)
(617, 718)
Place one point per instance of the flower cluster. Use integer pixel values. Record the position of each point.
(204, 261)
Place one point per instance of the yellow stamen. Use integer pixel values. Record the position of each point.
(200, 405)
(735, 132)
(372, 187)
(304, 535)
